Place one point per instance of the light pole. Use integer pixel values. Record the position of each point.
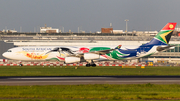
(20, 29)
(62, 30)
(126, 26)
(78, 29)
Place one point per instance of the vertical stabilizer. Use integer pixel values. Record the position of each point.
(163, 37)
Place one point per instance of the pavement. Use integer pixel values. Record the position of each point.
(77, 80)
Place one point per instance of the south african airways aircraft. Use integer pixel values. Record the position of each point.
(89, 54)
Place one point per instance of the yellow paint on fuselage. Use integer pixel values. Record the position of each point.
(34, 56)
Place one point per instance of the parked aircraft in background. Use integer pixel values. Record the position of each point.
(75, 54)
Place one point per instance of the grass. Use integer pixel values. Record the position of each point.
(105, 92)
(97, 92)
(86, 71)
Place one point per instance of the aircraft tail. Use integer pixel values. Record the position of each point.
(163, 37)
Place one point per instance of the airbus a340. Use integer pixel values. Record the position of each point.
(89, 54)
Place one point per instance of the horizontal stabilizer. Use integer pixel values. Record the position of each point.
(160, 48)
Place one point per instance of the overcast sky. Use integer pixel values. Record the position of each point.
(89, 15)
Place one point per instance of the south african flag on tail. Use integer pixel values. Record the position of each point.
(163, 37)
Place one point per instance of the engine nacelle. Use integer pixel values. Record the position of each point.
(72, 59)
(91, 56)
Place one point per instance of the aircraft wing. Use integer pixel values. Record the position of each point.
(101, 52)
(76, 55)
(54, 50)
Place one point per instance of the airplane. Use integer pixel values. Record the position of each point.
(89, 54)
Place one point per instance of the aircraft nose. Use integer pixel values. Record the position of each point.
(5, 54)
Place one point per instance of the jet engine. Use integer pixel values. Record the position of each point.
(91, 56)
(72, 59)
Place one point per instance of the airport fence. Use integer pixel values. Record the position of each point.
(104, 63)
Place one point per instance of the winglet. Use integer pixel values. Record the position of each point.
(118, 47)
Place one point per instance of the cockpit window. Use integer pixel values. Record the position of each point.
(9, 51)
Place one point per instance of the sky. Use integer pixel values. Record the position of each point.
(88, 15)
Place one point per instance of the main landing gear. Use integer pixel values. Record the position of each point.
(91, 63)
(88, 65)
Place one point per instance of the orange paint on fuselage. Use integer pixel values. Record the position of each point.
(34, 56)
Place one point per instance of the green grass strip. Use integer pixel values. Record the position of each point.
(91, 92)
(86, 71)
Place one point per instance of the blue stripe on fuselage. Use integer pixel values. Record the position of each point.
(134, 52)
(141, 49)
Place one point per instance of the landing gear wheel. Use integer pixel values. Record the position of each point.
(20, 64)
(93, 65)
(88, 65)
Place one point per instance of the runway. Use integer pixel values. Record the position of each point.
(89, 80)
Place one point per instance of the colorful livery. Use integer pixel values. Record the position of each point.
(89, 54)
